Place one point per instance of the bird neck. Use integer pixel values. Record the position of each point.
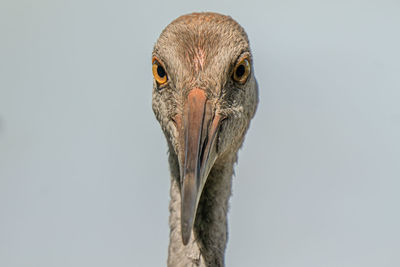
(210, 231)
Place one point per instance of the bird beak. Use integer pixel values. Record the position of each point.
(198, 138)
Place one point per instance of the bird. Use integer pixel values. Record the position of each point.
(204, 97)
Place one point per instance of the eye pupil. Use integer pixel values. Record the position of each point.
(160, 71)
(240, 70)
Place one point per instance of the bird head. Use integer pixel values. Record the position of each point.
(204, 96)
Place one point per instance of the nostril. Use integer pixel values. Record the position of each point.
(223, 119)
(176, 120)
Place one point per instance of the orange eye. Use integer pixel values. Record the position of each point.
(159, 73)
(241, 71)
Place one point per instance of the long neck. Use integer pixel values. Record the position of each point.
(209, 235)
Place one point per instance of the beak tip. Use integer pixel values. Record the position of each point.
(186, 231)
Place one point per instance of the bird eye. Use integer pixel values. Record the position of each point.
(159, 73)
(241, 71)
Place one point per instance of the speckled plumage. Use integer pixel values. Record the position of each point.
(199, 51)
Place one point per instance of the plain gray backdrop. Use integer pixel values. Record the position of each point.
(84, 179)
